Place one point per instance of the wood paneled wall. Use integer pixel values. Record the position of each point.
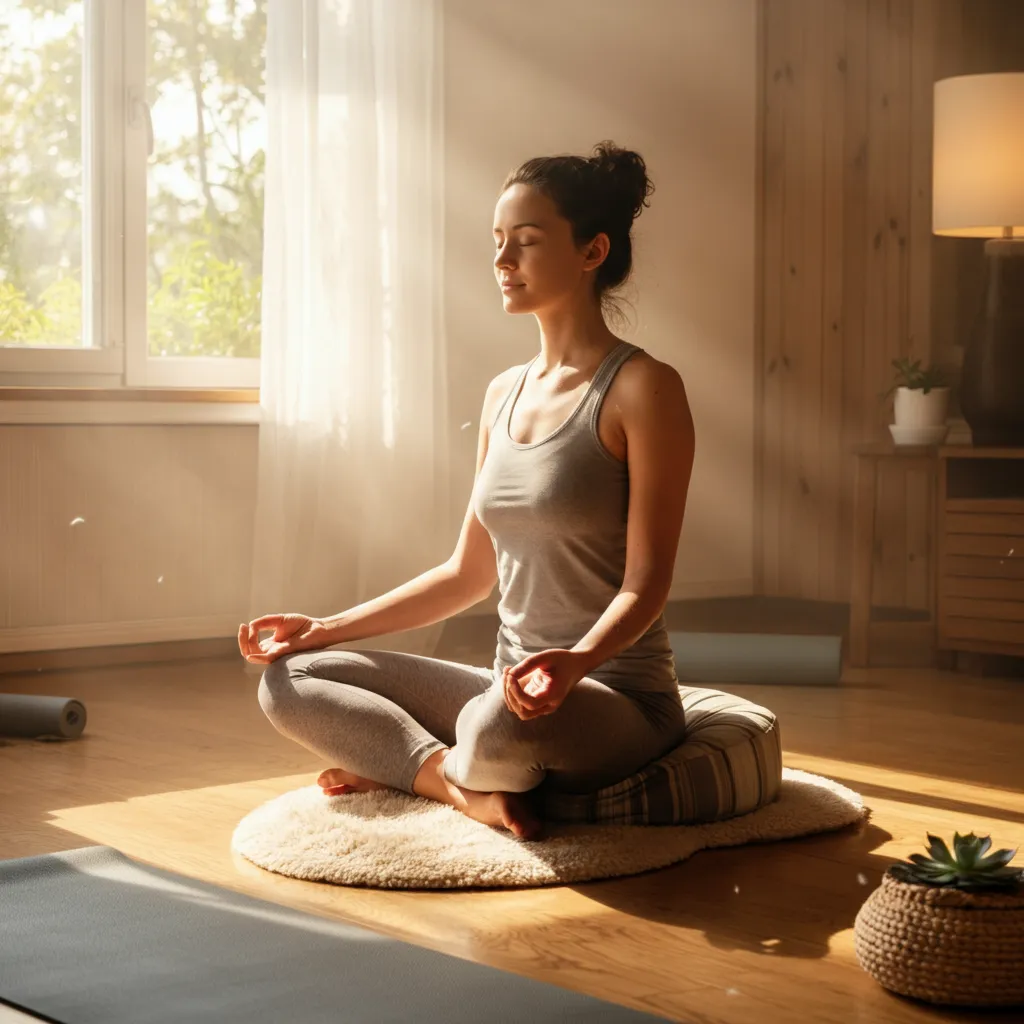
(850, 275)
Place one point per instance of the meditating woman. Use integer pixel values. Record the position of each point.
(583, 466)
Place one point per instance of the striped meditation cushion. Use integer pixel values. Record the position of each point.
(729, 764)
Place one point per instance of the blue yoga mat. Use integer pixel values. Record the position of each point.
(90, 936)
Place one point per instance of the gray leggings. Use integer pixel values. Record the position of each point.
(381, 714)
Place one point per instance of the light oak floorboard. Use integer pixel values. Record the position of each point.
(175, 754)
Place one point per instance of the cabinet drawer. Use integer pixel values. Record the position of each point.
(974, 608)
(982, 589)
(1000, 506)
(960, 628)
(1007, 525)
(954, 566)
(985, 545)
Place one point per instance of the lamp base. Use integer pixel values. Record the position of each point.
(992, 377)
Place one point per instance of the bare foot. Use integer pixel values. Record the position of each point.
(518, 814)
(335, 781)
(514, 811)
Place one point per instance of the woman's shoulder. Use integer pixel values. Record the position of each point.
(502, 381)
(641, 373)
(508, 376)
(650, 395)
(497, 391)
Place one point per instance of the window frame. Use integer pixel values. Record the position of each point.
(115, 217)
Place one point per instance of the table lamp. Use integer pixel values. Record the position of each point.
(978, 192)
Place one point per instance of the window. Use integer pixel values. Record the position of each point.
(46, 231)
(131, 191)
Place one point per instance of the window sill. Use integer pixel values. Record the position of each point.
(80, 394)
(56, 405)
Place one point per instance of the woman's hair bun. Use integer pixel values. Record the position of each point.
(624, 174)
(604, 192)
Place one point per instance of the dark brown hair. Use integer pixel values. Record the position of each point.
(604, 192)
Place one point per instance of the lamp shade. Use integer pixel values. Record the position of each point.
(978, 156)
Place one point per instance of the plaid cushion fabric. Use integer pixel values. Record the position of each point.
(729, 764)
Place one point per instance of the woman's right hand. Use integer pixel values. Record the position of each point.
(292, 632)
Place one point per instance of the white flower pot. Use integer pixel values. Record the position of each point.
(920, 417)
(914, 408)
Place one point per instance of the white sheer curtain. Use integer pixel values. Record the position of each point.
(353, 490)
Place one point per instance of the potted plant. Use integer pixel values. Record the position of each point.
(947, 928)
(921, 403)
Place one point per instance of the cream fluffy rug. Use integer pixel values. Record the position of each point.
(390, 840)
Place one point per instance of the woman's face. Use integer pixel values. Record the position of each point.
(534, 251)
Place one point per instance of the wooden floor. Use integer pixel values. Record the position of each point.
(175, 754)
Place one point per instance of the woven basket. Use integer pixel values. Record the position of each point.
(943, 945)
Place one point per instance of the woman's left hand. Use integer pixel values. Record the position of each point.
(549, 677)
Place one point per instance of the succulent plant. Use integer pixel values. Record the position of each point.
(911, 375)
(967, 867)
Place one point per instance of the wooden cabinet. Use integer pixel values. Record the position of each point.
(980, 577)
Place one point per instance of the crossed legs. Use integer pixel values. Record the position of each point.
(441, 730)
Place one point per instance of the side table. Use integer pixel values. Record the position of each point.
(865, 495)
(980, 560)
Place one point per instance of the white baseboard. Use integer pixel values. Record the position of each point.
(108, 634)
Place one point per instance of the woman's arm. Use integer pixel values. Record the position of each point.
(660, 444)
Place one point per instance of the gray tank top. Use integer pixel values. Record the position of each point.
(556, 512)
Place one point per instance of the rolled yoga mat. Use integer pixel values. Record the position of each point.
(757, 658)
(36, 716)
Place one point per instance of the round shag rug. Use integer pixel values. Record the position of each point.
(391, 840)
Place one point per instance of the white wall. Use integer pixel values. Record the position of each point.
(114, 534)
(673, 79)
